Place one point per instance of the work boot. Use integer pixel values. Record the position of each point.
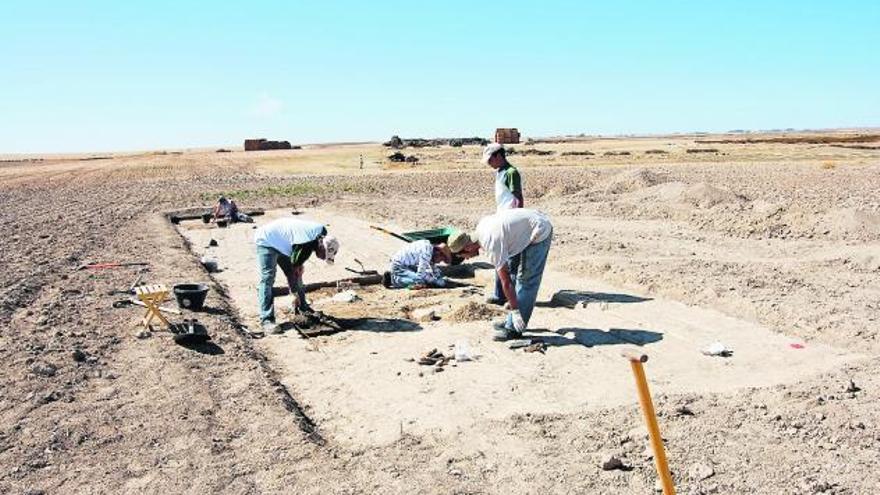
(386, 280)
(271, 327)
(501, 332)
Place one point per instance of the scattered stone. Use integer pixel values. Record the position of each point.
(851, 387)
(79, 355)
(701, 471)
(143, 334)
(611, 462)
(44, 369)
(683, 411)
(425, 315)
(519, 344)
(536, 346)
(50, 397)
(434, 358)
(455, 472)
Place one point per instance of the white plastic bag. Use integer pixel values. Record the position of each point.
(463, 351)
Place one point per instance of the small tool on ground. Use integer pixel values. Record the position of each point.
(362, 271)
(190, 332)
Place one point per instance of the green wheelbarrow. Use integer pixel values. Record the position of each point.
(434, 236)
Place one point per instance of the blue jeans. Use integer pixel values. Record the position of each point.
(268, 258)
(513, 265)
(402, 277)
(528, 279)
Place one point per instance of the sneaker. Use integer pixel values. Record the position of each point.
(271, 327)
(497, 301)
(501, 332)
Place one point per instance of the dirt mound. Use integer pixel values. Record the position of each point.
(706, 195)
(700, 195)
(850, 223)
(473, 311)
(633, 180)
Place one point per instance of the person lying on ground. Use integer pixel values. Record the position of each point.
(508, 195)
(508, 233)
(414, 266)
(288, 243)
(226, 209)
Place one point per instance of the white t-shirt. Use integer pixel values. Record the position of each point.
(508, 233)
(283, 233)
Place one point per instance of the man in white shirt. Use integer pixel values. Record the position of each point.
(288, 243)
(414, 265)
(508, 233)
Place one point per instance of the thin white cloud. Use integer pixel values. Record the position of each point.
(267, 106)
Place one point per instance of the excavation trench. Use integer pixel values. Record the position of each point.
(364, 385)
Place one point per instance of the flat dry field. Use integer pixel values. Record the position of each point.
(772, 248)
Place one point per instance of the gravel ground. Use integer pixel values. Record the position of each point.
(86, 406)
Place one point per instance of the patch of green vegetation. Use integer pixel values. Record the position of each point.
(289, 190)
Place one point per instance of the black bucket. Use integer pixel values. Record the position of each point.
(191, 296)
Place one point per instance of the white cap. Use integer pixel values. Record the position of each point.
(490, 150)
(331, 247)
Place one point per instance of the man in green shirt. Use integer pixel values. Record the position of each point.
(508, 196)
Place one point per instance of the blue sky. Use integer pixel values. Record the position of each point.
(92, 76)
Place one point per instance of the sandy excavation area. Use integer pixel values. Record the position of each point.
(771, 247)
(363, 390)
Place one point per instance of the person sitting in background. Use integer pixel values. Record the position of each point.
(414, 266)
(226, 209)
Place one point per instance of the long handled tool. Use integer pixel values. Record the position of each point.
(392, 234)
(635, 361)
(99, 266)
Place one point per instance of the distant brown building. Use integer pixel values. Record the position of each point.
(507, 135)
(263, 144)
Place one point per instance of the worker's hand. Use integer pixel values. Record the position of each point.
(518, 323)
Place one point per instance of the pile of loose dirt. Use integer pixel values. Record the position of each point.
(704, 195)
(473, 311)
(850, 223)
(632, 180)
(700, 195)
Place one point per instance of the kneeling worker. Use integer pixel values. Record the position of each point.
(414, 266)
(288, 243)
(506, 234)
